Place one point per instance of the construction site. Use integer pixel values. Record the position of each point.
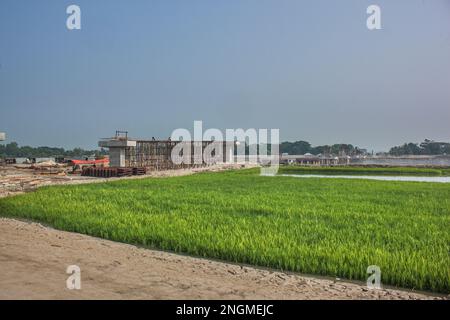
(127, 158)
(157, 154)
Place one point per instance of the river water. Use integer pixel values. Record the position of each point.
(384, 178)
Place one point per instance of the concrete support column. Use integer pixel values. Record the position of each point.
(117, 149)
(117, 157)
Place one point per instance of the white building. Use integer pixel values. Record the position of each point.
(2, 136)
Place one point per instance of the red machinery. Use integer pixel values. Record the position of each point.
(80, 164)
(99, 162)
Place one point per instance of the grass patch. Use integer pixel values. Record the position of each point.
(319, 226)
(381, 171)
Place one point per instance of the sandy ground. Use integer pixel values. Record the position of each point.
(34, 259)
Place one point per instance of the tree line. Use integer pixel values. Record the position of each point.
(302, 147)
(14, 151)
(427, 147)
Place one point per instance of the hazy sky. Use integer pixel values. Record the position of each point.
(310, 68)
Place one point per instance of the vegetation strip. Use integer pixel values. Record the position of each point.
(354, 170)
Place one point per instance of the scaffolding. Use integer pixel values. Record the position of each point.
(157, 154)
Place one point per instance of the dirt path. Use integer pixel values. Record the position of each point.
(34, 258)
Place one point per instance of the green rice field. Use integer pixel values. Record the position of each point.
(355, 170)
(331, 227)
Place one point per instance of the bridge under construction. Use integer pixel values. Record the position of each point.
(157, 154)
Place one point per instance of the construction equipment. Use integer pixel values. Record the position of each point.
(112, 172)
(81, 164)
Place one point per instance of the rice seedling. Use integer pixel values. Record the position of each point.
(317, 226)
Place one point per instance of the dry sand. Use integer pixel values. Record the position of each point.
(34, 258)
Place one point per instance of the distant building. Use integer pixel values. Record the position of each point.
(309, 160)
(2, 136)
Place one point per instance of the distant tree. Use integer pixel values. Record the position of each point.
(302, 147)
(297, 147)
(13, 150)
(435, 148)
(427, 147)
(325, 150)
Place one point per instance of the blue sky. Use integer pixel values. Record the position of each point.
(310, 68)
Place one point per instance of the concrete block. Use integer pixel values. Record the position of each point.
(113, 143)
